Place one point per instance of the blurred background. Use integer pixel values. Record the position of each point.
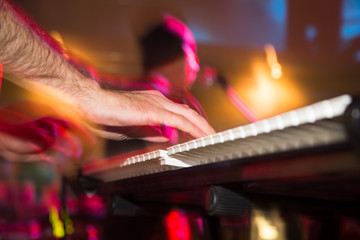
(277, 55)
(315, 43)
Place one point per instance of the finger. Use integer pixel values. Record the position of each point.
(176, 115)
(178, 121)
(105, 134)
(119, 136)
(188, 113)
(195, 118)
(156, 139)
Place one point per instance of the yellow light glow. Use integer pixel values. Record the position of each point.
(267, 224)
(276, 71)
(265, 229)
(57, 36)
(271, 57)
(57, 224)
(52, 97)
(58, 230)
(266, 96)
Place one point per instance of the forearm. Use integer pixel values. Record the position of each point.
(28, 54)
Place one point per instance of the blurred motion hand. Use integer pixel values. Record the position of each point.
(29, 54)
(141, 108)
(23, 134)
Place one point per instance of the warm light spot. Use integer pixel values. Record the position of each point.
(57, 224)
(57, 37)
(276, 71)
(267, 224)
(241, 105)
(271, 57)
(265, 229)
(53, 97)
(264, 95)
(58, 230)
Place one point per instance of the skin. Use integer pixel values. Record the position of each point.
(27, 53)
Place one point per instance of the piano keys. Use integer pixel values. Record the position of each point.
(305, 163)
(318, 124)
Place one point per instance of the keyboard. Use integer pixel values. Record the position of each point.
(318, 124)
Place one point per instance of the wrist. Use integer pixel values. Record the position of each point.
(83, 91)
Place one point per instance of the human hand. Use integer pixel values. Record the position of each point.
(141, 108)
(40, 63)
(38, 140)
(24, 136)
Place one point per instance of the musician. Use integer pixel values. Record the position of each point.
(29, 54)
(170, 65)
(170, 62)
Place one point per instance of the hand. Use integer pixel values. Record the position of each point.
(26, 53)
(41, 140)
(26, 137)
(141, 108)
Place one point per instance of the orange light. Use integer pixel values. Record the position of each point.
(266, 229)
(267, 225)
(271, 57)
(57, 36)
(265, 96)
